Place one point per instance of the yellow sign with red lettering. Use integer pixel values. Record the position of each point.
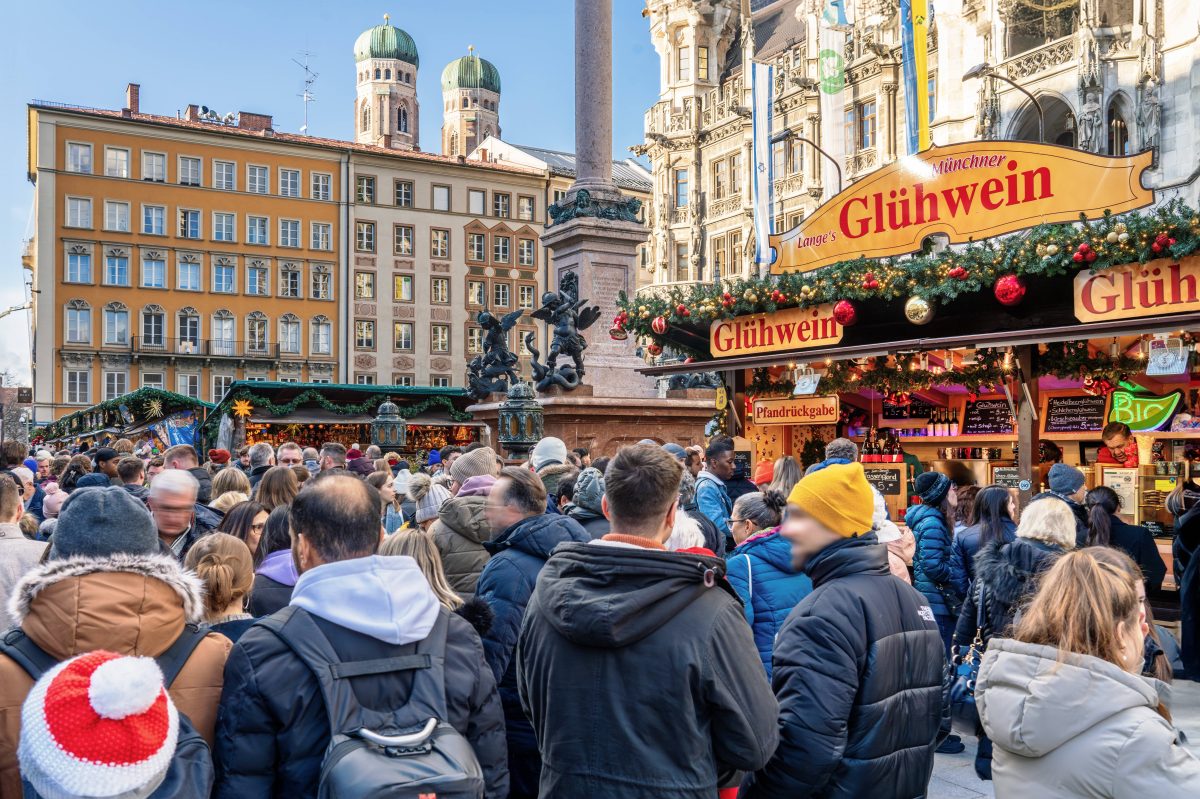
(788, 329)
(965, 191)
(1127, 292)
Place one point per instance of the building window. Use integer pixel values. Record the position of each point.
(402, 240)
(404, 193)
(322, 186)
(257, 230)
(525, 208)
(500, 293)
(735, 175)
(187, 275)
(681, 188)
(440, 339)
(402, 288)
(702, 63)
(476, 247)
(500, 245)
(439, 291)
(223, 277)
(525, 296)
(256, 332)
(735, 252)
(257, 279)
(153, 327)
(154, 167)
(865, 121)
(152, 380)
(79, 212)
(321, 284)
(116, 162)
(439, 243)
(289, 182)
(717, 257)
(115, 384)
(258, 179)
(289, 232)
(289, 334)
(189, 330)
(322, 336)
(116, 270)
(475, 292)
(322, 236)
(189, 224)
(402, 380)
(154, 220)
(851, 139)
(116, 217)
(795, 157)
(188, 385)
(501, 205)
(475, 201)
(364, 285)
(221, 384)
(474, 340)
(223, 227)
(439, 381)
(441, 198)
(222, 334)
(402, 336)
(79, 387)
(154, 273)
(684, 64)
(364, 379)
(402, 119)
(683, 270)
(189, 171)
(364, 189)
(932, 90)
(79, 322)
(289, 281)
(778, 159)
(1118, 132)
(225, 175)
(364, 334)
(720, 172)
(79, 158)
(364, 236)
(79, 267)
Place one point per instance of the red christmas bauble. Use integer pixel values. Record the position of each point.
(659, 325)
(1010, 290)
(654, 350)
(1078, 257)
(1084, 247)
(844, 313)
(1156, 247)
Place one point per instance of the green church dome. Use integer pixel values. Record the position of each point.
(471, 72)
(386, 41)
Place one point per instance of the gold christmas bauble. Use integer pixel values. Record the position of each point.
(918, 310)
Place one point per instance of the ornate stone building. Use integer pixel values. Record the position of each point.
(1109, 75)
(386, 110)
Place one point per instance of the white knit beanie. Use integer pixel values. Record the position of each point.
(98, 725)
(427, 495)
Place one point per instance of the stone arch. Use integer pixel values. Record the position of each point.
(1118, 119)
(1059, 121)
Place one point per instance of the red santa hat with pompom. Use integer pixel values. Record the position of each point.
(99, 725)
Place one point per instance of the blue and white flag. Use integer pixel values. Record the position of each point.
(762, 87)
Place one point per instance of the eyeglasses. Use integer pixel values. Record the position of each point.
(290, 461)
(735, 521)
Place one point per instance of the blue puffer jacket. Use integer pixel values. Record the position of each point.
(761, 572)
(962, 556)
(932, 572)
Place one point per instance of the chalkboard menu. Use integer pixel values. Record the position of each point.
(1157, 529)
(1007, 476)
(914, 410)
(987, 417)
(741, 463)
(886, 481)
(1082, 413)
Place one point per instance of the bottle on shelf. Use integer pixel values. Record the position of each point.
(868, 450)
(954, 423)
(931, 423)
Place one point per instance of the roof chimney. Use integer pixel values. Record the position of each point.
(132, 92)
(257, 122)
(192, 113)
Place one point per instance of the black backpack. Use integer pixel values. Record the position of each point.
(191, 774)
(409, 752)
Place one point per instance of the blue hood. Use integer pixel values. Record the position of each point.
(538, 535)
(918, 513)
(770, 547)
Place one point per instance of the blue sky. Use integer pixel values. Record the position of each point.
(237, 56)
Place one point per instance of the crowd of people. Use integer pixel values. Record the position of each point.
(291, 621)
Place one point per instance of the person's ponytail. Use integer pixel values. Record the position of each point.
(1102, 503)
(224, 564)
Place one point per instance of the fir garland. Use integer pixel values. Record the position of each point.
(137, 402)
(1171, 231)
(891, 376)
(369, 405)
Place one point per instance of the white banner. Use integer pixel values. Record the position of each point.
(763, 186)
(831, 75)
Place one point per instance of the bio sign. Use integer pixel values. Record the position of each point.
(965, 191)
(789, 329)
(798, 410)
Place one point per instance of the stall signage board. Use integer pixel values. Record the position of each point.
(796, 410)
(966, 191)
(1075, 413)
(987, 417)
(789, 329)
(886, 481)
(1150, 289)
(1007, 476)
(1124, 482)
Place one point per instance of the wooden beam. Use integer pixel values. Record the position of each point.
(1026, 424)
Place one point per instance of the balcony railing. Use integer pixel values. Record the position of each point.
(207, 348)
(1041, 59)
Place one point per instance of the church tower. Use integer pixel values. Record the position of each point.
(470, 103)
(386, 113)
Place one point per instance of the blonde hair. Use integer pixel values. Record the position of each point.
(228, 480)
(227, 500)
(223, 563)
(382, 465)
(1050, 521)
(419, 546)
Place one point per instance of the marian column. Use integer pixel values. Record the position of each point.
(595, 230)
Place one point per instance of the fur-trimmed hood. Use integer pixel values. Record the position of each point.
(554, 473)
(78, 604)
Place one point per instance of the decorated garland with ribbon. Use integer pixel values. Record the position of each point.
(998, 265)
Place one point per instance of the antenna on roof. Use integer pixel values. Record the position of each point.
(310, 78)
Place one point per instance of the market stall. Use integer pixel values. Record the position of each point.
(311, 414)
(151, 416)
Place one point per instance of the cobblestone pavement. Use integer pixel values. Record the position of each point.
(954, 775)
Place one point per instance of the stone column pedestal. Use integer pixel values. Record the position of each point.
(603, 253)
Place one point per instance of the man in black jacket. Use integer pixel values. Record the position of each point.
(857, 664)
(184, 457)
(262, 458)
(272, 728)
(635, 664)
